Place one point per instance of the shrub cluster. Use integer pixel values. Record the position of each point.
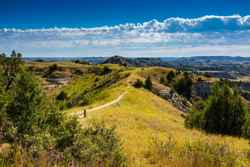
(147, 83)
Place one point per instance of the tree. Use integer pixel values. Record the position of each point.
(223, 112)
(195, 115)
(170, 76)
(3, 93)
(246, 126)
(11, 67)
(148, 83)
(183, 86)
(25, 106)
(162, 80)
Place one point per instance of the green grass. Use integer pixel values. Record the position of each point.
(91, 88)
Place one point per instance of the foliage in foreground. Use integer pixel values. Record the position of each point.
(223, 112)
(34, 133)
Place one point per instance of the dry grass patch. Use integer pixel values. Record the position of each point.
(141, 115)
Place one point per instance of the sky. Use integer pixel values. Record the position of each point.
(134, 28)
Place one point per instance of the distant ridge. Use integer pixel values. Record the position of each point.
(135, 62)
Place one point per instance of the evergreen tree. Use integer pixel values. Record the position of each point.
(148, 83)
(223, 112)
(170, 76)
(183, 86)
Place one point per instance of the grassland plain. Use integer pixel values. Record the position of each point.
(148, 124)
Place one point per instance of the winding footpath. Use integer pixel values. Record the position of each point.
(118, 99)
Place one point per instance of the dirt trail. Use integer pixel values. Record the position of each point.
(81, 113)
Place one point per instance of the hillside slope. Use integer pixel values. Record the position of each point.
(141, 116)
(145, 122)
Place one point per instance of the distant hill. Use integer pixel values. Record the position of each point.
(215, 58)
(135, 62)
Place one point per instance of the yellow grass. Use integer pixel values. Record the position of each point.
(140, 116)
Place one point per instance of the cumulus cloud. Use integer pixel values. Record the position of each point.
(207, 35)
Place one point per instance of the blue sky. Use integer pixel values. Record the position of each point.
(100, 27)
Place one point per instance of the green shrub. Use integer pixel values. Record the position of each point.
(62, 96)
(138, 83)
(51, 69)
(97, 145)
(106, 70)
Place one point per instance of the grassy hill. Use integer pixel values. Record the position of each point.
(153, 133)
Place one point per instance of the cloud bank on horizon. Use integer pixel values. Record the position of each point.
(207, 35)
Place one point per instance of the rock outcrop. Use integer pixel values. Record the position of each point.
(170, 95)
(201, 89)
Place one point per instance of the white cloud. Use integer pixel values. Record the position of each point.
(207, 35)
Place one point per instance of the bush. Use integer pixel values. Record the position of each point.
(62, 96)
(80, 61)
(51, 69)
(98, 145)
(78, 72)
(106, 70)
(138, 83)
